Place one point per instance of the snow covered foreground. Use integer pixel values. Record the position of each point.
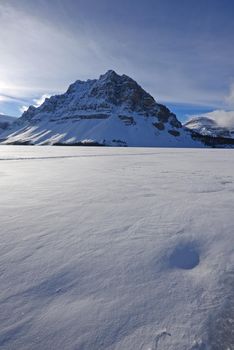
(116, 248)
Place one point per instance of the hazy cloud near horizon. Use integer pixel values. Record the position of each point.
(222, 118)
(178, 51)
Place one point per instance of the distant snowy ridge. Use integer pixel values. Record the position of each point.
(208, 126)
(112, 110)
(6, 121)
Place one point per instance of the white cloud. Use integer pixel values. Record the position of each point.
(3, 98)
(37, 102)
(230, 97)
(221, 117)
(23, 109)
(40, 100)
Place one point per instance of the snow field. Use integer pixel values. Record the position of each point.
(109, 248)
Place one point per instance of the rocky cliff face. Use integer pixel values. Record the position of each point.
(112, 110)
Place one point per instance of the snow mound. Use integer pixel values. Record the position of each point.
(184, 256)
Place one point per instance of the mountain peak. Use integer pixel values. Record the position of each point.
(112, 110)
(110, 74)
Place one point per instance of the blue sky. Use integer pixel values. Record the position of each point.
(181, 51)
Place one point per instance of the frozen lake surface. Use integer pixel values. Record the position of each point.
(116, 248)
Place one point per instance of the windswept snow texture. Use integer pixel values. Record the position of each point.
(116, 248)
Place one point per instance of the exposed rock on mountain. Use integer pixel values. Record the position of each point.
(112, 110)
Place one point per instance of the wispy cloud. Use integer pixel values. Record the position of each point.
(39, 56)
(230, 97)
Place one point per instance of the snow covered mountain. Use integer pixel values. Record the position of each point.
(112, 110)
(5, 122)
(209, 127)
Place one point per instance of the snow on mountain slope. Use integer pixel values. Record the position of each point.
(113, 110)
(208, 126)
(116, 249)
(6, 121)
